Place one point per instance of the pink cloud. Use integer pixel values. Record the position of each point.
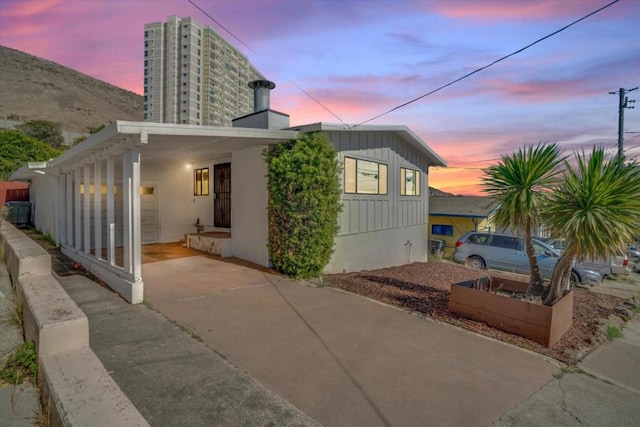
(497, 10)
(541, 90)
(24, 9)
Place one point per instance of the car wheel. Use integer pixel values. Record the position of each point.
(476, 262)
(574, 279)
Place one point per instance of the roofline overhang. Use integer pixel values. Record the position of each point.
(144, 130)
(402, 130)
(460, 215)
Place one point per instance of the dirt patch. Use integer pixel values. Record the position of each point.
(424, 288)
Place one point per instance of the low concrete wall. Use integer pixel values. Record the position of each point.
(73, 381)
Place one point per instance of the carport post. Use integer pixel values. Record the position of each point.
(87, 209)
(126, 209)
(69, 207)
(135, 214)
(97, 208)
(111, 243)
(77, 237)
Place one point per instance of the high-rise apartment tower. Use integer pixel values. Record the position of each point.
(193, 76)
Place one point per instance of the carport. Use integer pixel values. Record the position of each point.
(91, 196)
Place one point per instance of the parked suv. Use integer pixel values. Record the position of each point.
(506, 252)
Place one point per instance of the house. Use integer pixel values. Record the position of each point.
(136, 183)
(451, 217)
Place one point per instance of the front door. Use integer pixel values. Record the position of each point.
(222, 194)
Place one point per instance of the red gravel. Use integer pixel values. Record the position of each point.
(424, 288)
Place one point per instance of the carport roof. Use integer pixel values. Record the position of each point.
(161, 141)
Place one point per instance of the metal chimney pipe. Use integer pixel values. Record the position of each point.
(261, 90)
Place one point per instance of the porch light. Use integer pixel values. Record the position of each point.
(188, 165)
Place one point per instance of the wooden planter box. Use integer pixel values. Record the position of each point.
(475, 299)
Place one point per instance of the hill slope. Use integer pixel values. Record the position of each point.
(34, 88)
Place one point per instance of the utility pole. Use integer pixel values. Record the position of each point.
(622, 104)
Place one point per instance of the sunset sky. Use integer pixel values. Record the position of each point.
(360, 58)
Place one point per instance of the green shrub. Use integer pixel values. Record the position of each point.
(18, 149)
(43, 130)
(304, 202)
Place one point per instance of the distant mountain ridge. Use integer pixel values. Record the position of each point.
(35, 88)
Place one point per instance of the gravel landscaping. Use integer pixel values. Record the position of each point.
(424, 288)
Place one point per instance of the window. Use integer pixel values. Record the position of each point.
(442, 230)
(201, 182)
(409, 182)
(506, 242)
(364, 177)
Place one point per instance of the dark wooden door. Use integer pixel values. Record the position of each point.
(222, 191)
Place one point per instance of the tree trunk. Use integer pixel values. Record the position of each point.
(560, 275)
(535, 279)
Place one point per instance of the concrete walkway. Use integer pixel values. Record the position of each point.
(604, 390)
(172, 378)
(341, 358)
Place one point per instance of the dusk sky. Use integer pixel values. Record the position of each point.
(361, 58)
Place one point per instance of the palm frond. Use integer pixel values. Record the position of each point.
(597, 205)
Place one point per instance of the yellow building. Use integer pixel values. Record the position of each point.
(450, 217)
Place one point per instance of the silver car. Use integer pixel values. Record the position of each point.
(506, 252)
(618, 264)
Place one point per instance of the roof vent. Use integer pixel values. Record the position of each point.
(261, 90)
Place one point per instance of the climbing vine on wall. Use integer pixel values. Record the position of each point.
(304, 202)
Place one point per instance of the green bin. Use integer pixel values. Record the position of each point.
(19, 213)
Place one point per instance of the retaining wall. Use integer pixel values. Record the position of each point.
(73, 382)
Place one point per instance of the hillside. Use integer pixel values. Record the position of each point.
(34, 88)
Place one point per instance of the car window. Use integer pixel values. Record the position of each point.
(478, 239)
(507, 242)
(559, 244)
(538, 248)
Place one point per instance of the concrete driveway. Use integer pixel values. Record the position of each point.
(341, 358)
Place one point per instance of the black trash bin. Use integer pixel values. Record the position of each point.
(18, 213)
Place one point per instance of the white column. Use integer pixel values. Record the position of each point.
(87, 210)
(126, 209)
(111, 222)
(67, 217)
(69, 208)
(97, 209)
(77, 231)
(136, 234)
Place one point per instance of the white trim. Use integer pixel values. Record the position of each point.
(119, 280)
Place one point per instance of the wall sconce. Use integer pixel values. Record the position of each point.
(188, 165)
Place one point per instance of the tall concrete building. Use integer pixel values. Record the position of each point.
(193, 76)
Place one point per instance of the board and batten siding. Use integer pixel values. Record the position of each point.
(362, 213)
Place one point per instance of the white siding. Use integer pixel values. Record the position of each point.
(249, 225)
(365, 212)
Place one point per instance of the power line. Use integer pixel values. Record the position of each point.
(249, 47)
(221, 26)
(491, 64)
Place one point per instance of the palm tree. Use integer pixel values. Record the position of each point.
(520, 184)
(596, 208)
